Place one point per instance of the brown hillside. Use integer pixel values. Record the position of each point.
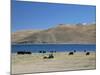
(58, 34)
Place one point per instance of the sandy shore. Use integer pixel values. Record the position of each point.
(62, 61)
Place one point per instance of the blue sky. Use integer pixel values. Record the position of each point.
(37, 15)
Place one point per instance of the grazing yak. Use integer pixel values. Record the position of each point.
(23, 52)
(45, 57)
(20, 52)
(71, 53)
(49, 57)
(87, 53)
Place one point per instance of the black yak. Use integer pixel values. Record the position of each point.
(45, 57)
(23, 52)
(49, 57)
(70, 53)
(87, 53)
(44, 51)
(20, 52)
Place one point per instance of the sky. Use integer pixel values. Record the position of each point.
(39, 15)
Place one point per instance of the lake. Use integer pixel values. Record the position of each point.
(56, 47)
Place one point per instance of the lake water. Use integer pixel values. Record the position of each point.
(55, 47)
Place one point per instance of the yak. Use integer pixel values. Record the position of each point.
(70, 53)
(49, 57)
(88, 53)
(23, 52)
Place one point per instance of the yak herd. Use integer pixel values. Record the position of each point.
(51, 55)
(23, 52)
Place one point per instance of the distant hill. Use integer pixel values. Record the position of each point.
(63, 33)
(19, 35)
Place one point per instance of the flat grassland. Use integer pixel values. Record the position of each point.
(61, 62)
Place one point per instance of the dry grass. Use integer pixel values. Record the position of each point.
(62, 61)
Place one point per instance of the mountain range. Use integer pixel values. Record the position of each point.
(62, 33)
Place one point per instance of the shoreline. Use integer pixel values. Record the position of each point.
(56, 44)
(93, 51)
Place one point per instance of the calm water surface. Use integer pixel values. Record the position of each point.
(56, 47)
